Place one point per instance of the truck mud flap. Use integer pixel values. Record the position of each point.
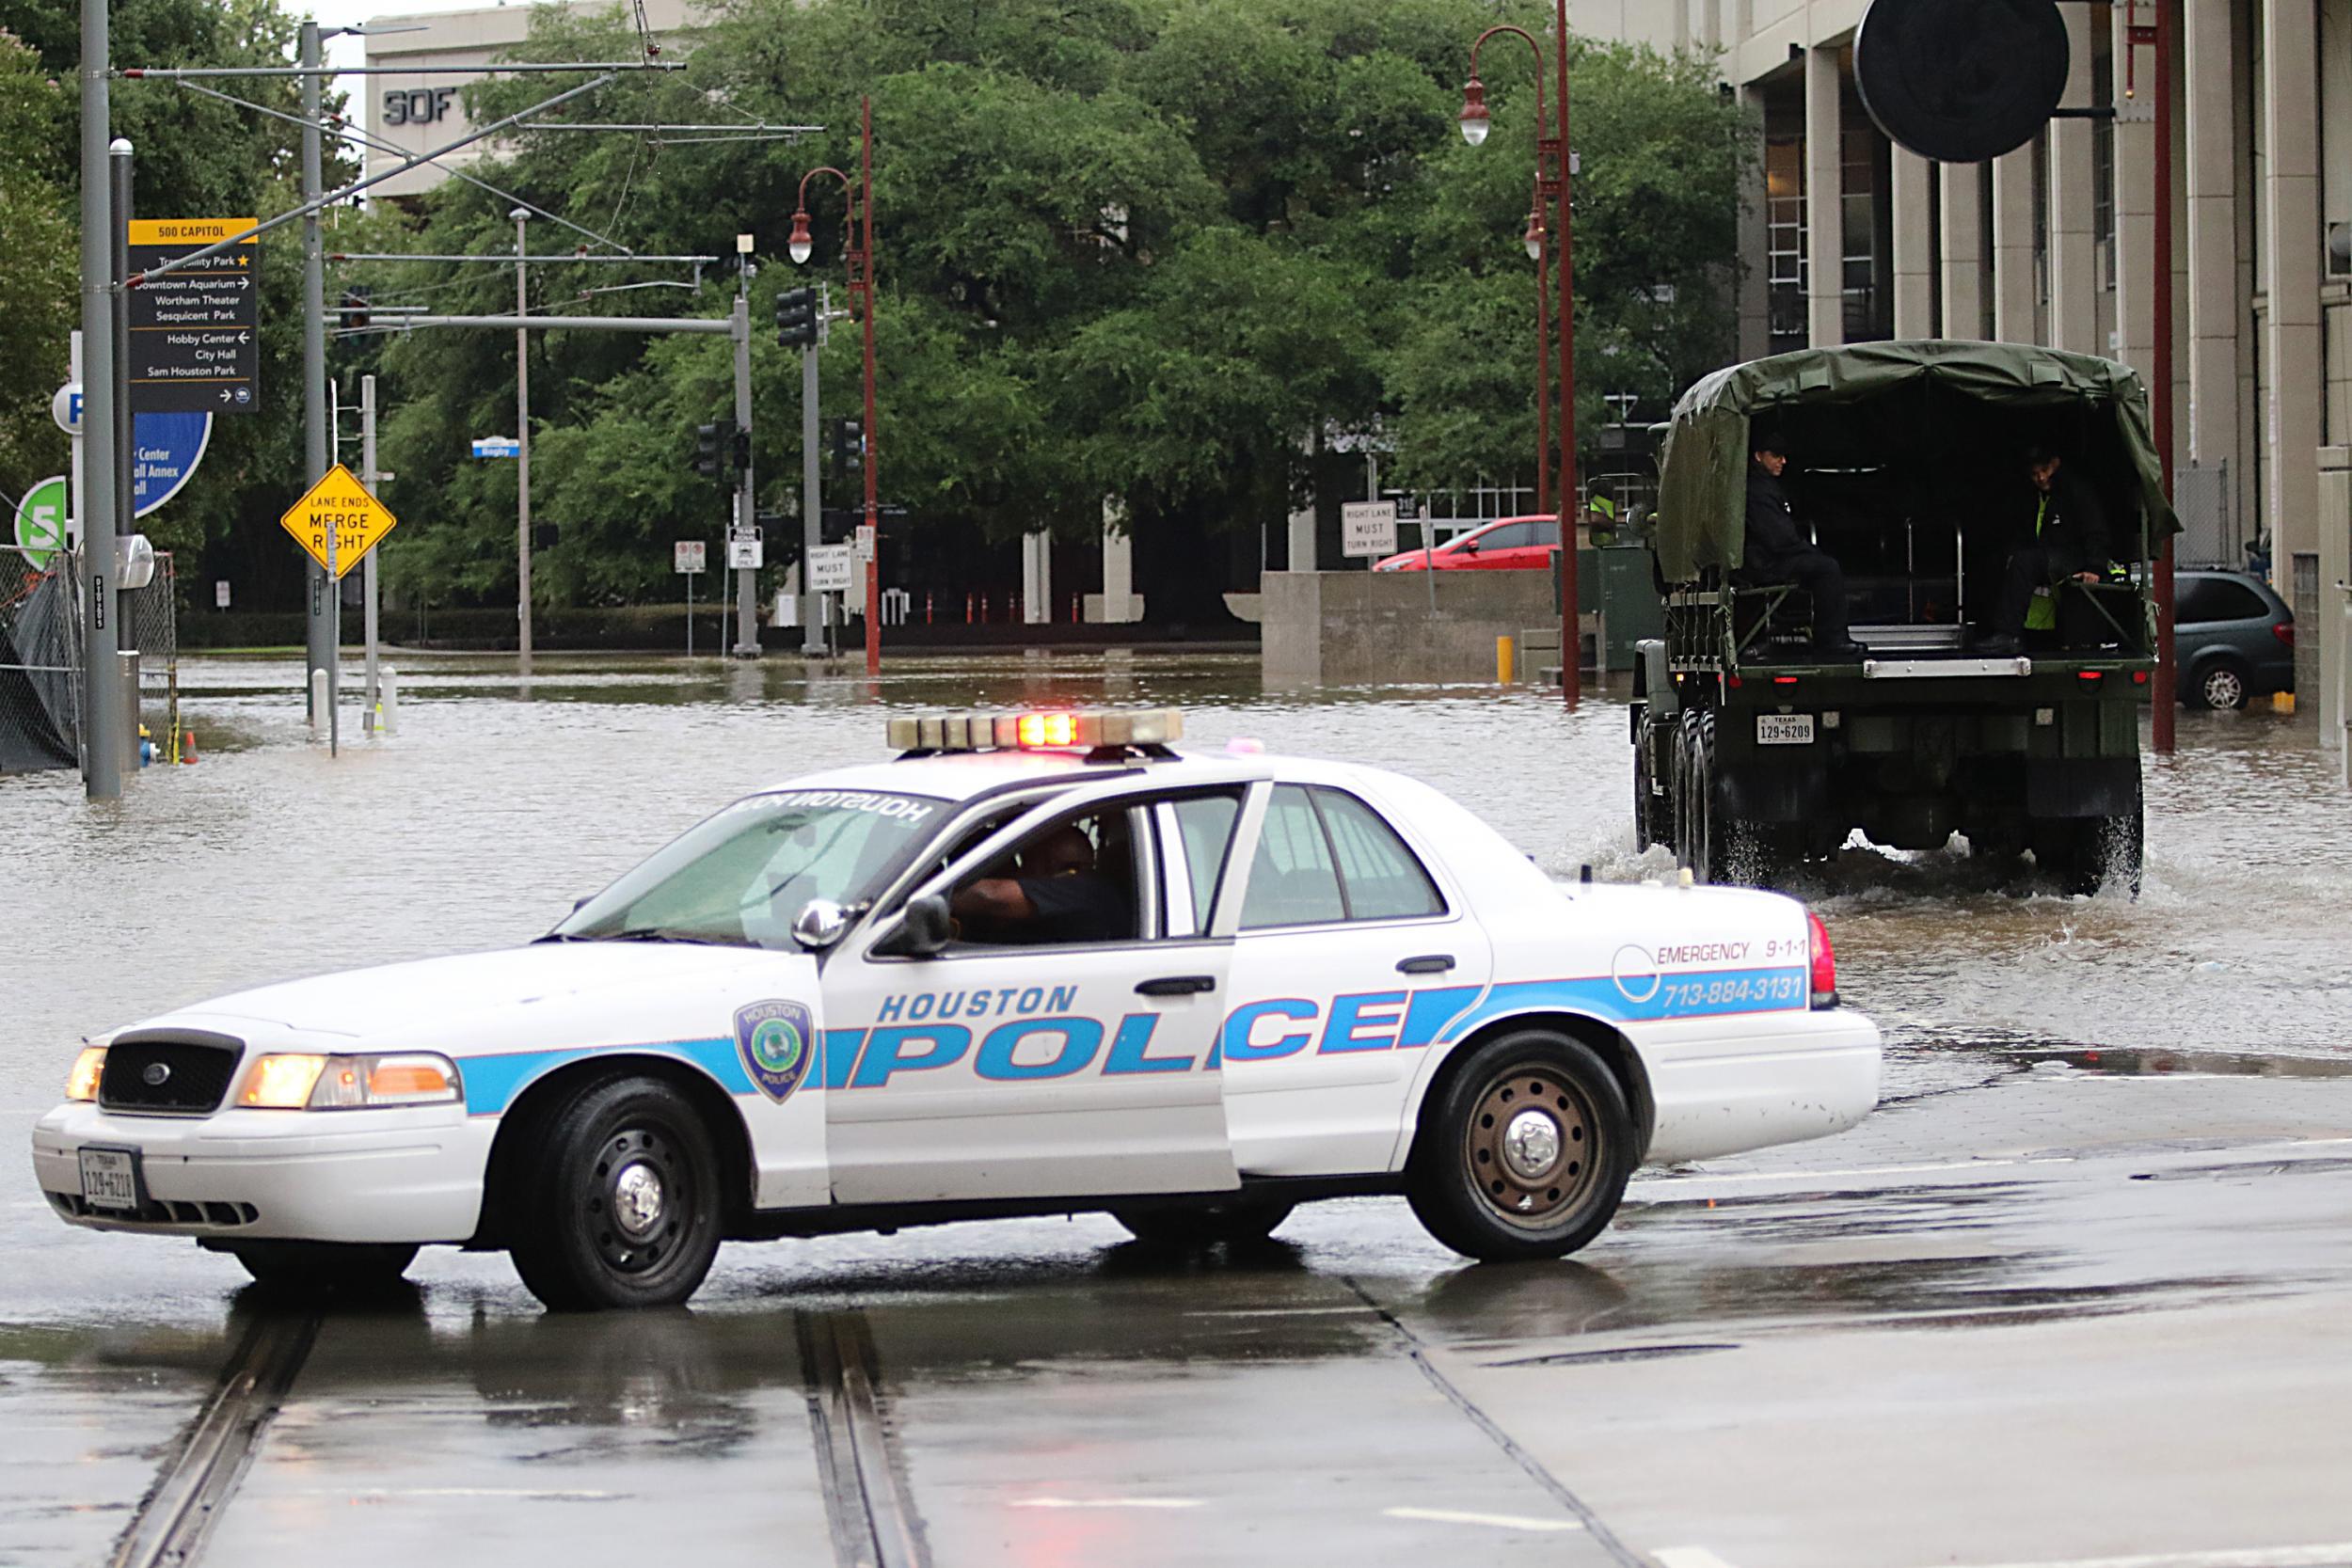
(2082, 787)
(1793, 789)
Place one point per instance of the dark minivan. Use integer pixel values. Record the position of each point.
(2234, 639)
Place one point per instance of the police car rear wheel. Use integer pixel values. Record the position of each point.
(1190, 1229)
(618, 1199)
(1526, 1152)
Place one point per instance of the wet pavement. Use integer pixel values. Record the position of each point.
(2078, 1293)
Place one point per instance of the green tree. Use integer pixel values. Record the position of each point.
(37, 282)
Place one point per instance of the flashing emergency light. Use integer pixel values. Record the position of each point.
(1052, 731)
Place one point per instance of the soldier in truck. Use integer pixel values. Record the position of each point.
(2069, 541)
(1776, 552)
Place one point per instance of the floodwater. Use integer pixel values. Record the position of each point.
(1059, 1397)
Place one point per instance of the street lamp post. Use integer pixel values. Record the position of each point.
(1551, 180)
(859, 259)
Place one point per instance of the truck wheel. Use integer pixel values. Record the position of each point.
(1704, 852)
(2221, 684)
(1526, 1151)
(322, 1266)
(1235, 1223)
(618, 1198)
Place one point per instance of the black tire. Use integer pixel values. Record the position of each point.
(1642, 835)
(1471, 1190)
(347, 1268)
(1703, 850)
(1235, 1223)
(2219, 683)
(586, 1232)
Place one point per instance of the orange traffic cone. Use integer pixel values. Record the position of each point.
(187, 749)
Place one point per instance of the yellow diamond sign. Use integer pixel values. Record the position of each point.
(339, 507)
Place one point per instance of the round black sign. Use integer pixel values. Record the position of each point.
(1961, 81)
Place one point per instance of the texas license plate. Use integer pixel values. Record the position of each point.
(110, 1177)
(1783, 729)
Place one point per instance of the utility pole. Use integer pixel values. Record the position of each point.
(101, 717)
(746, 522)
(812, 499)
(522, 439)
(368, 479)
(126, 681)
(320, 625)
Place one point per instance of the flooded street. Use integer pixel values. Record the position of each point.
(2109, 1202)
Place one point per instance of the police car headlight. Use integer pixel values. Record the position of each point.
(82, 1083)
(293, 1082)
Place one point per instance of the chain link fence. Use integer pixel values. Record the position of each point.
(42, 656)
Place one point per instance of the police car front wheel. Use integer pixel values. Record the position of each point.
(1525, 1152)
(618, 1198)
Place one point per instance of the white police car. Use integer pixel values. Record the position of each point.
(1037, 964)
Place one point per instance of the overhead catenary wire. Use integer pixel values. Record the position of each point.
(337, 126)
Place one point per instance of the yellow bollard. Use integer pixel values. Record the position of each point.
(1503, 661)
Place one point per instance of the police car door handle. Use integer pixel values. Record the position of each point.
(1428, 964)
(1178, 985)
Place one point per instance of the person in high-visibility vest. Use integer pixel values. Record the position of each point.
(2069, 542)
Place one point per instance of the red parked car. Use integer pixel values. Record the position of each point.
(1505, 545)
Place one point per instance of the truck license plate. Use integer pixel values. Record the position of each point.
(110, 1178)
(1783, 729)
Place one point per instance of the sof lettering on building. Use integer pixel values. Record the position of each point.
(2054, 243)
(414, 114)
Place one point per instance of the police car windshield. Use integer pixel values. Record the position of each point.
(740, 877)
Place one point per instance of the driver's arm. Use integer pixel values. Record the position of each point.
(993, 898)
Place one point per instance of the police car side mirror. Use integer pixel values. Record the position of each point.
(820, 924)
(924, 929)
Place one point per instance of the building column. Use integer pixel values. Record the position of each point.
(1756, 294)
(2073, 243)
(1118, 565)
(2291, 245)
(1037, 577)
(2016, 295)
(1913, 188)
(1824, 201)
(1961, 194)
(2211, 109)
(2135, 208)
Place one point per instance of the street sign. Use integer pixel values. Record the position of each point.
(497, 445)
(166, 450)
(339, 503)
(690, 555)
(40, 522)
(195, 338)
(832, 569)
(1368, 528)
(746, 554)
(65, 408)
(865, 542)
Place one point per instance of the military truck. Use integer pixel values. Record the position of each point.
(1907, 462)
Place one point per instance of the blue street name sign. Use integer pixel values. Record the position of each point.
(497, 445)
(165, 450)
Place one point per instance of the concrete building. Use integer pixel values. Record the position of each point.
(1850, 238)
(415, 112)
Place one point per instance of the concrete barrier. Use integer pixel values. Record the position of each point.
(1348, 628)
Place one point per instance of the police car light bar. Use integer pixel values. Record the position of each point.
(1065, 731)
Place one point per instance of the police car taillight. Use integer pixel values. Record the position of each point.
(1053, 730)
(1824, 984)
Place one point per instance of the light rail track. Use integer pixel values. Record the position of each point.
(178, 1513)
(873, 1520)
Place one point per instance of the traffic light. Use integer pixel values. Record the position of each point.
(355, 310)
(714, 448)
(796, 318)
(848, 448)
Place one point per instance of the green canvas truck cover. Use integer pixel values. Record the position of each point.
(1957, 415)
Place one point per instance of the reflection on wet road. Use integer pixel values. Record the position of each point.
(2077, 1292)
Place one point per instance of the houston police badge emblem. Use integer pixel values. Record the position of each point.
(778, 1040)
